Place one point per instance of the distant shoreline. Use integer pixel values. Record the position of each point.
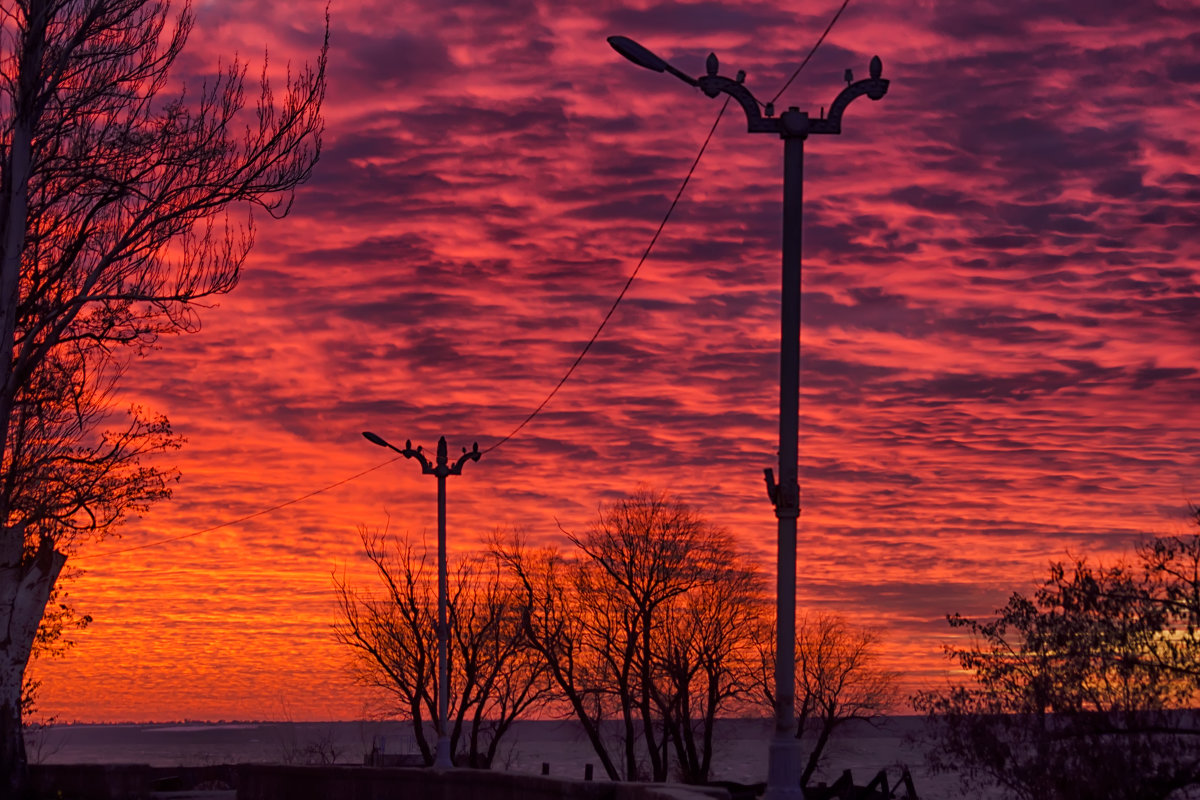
(243, 723)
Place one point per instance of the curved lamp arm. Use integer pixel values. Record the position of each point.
(787, 124)
(442, 467)
(873, 87)
(713, 84)
(471, 455)
(409, 452)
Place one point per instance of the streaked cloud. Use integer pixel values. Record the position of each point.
(1000, 338)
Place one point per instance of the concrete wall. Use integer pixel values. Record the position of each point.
(279, 782)
(91, 781)
(125, 781)
(271, 782)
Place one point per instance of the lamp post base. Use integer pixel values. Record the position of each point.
(441, 759)
(783, 768)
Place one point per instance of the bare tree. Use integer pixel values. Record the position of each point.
(500, 679)
(395, 635)
(838, 679)
(553, 626)
(705, 657)
(114, 202)
(644, 629)
(640, 555)
(53, 641)
(493, 680)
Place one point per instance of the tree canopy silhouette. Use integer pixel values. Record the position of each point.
(657, 625)
(493, 679)
(1086, 690)
(115, 218)
(649, 625)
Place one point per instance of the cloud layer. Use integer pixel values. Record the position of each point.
(1000, 300)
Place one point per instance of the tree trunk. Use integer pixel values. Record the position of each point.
(25, 585)
(658, 767)
(814, 757)
(15, 778)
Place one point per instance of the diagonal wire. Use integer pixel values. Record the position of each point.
(828, 28)
(661, 225)
(624, 289)
(246, 518)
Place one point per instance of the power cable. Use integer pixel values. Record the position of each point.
(239, 519)
(828, 28)
(624, 289)
(662, 224)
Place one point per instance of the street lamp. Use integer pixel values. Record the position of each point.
(793, 126)
(440, 470)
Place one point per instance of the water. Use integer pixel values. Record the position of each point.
(741, 752)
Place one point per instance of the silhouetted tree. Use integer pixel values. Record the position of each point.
(838, 680)
(1087, 690)
(112, 224)
(647, 625)
(704, 656)
(553, 625)
(493, 679)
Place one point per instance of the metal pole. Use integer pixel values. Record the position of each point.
(440, 469)
(442, 759)
(783, 765)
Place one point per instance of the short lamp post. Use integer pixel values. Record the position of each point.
(440, 469)
(793, 126)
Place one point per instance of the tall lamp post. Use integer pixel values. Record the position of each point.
(440, 469)
(793, 126)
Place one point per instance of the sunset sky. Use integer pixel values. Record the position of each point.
(1000, 340)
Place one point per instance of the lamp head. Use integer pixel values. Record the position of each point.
(374, 439)
(637, 54)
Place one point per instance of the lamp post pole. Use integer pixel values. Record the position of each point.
(439, 469)
(793, 126)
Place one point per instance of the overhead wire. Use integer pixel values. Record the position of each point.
(661, 225)
(808, 57)
(239, 520)
(624, 289)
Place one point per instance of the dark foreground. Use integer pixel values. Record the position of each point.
(285, 782)
(281, 782)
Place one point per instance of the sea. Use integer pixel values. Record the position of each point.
(531, 746)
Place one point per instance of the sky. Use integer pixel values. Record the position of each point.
(1001, 290)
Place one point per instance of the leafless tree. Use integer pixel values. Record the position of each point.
(114, 222)
(319, 747)
(394, 634)
(705, 657)
(493, 680)
(642, 553)
(500, 680)
(644, 628)
(839, 678)
(553, 625)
